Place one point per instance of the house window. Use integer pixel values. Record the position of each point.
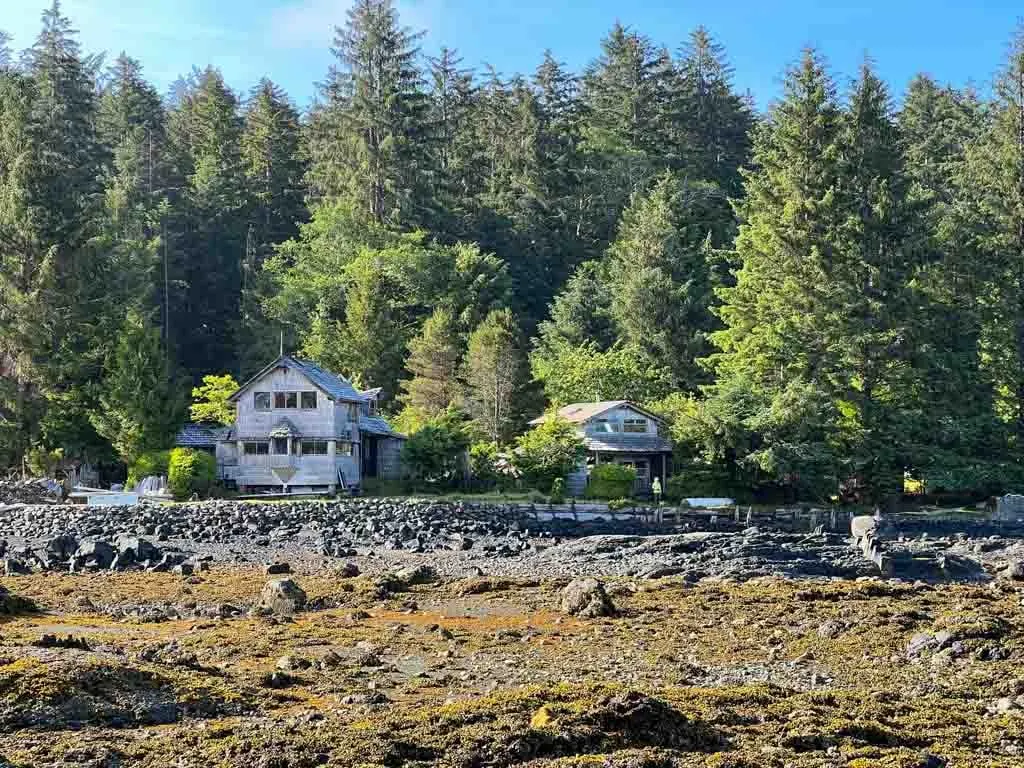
(603, 425)
(280, 446)
(344, 448)
(286, 399)
(634, 425)
(261, 401)
(257, 449)
(353, 412)
(314, 447)
(308, 400)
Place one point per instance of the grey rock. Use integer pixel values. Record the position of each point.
(282, 596)
(587, 598)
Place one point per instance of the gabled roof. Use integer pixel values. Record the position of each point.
(331, 384)
(579, 413)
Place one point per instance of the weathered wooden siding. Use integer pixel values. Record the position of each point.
(318, 422)
(617, 415)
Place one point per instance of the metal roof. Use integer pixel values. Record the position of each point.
(333, 385)
(198, 436)
(375, 425)
(578, 413)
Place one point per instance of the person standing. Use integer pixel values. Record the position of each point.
(656, 489)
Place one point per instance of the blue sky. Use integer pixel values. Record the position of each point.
(289, 40)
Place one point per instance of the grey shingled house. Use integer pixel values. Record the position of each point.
(299, 428)
(620, 432)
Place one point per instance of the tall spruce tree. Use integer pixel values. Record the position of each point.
(274, 170)
(769, 382)
(207, 236)
(991, 209)
(368, 142)
(716, 122)
(659, 274)
(433, 361)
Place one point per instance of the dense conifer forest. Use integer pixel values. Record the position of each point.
(827, 297)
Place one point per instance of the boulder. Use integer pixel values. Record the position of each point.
(586, 598)
(95, 554)
(282, 596)
(62, 547)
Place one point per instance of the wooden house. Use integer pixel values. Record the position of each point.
(621, 432)
(300, 428)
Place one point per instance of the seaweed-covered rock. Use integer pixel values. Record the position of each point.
(587, 598)
(11, 604)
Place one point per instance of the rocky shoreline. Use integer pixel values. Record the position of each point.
(460, 538)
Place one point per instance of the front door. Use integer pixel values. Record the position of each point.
(369, 456)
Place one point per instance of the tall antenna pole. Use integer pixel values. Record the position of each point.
(282, 344)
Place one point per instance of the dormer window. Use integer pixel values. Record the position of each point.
(308, 401)
(261, 401)
(634, 425)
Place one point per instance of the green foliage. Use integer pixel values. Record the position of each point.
(211, 400)
(141, 404)
(483, 463)
(190, 472)
(611, 481)
(558, 491)
(433, 362)
(549, 451)
(42, 462)
(151, 463)
(495, 375)
(433, 456)
(583, 374)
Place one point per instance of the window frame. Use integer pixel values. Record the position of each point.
(302, 400)
(343, 448)
(641, 422)
(317, 443)
(256, 444)
(256, 396)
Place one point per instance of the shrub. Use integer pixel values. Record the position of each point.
(433, 454)
(43, 463)
(483, 459)
(611, 481)
(618, 504)
(558, 491)
(149, 463)
(549, 452)
(190, 472)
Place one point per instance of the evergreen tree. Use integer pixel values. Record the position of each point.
(619, 136)
(433, 362)
(659, 274)
(141, 404)
(937, 126)
(716, 122)
(207, 237)
(495, 374)
(768, 380)
(367, 141)
(990, 207)
(274, 172)
(452, 146)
